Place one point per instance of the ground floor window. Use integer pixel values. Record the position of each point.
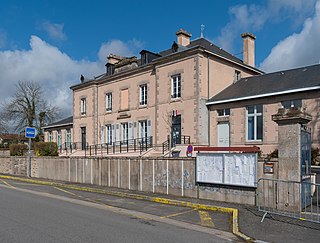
(125, 132)
(109, 133)
(254, 123)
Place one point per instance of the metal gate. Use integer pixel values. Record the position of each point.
(305, 169)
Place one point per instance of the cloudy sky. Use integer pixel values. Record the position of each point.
(54, 42)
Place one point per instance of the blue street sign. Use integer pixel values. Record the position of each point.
(31, 132)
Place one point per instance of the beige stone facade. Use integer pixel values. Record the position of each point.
(179, 81)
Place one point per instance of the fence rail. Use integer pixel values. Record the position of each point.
(293, 199)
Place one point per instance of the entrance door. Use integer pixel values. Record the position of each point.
(176, 130)
(223, 135)
(83, 138)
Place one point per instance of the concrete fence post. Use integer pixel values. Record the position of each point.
(153, 175)
(69, 164)
(83, 171)
(129, 174)
(76, 170)
(109, 173)
(182, 179)
(118, 173)
(100, 172)
(167, 177)
(91, 176)
(140, 165)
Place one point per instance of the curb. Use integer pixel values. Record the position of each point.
(231, 211)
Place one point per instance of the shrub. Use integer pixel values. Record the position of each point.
(46, 149)
(273, 154)
(18, 149)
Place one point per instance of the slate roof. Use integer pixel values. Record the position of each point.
(277, 83)
(63, 122)
(210, 47)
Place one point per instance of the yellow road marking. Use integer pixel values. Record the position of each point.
(7, 184)
(65, 191)
(205, 218)
(176, 214)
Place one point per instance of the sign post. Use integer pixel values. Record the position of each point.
(30, 132)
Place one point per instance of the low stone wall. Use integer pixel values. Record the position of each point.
(174, 176)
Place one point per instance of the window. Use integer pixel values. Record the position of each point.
(254, 123)
(143, 94)
(109, 102)
(291, 103)
(237, 75)
(68, 137)
(124, 99)
(176, 86)
(50, 136)
(223, 112)
(59, 138)
(143, 129)
(109, 133)
(125, 132)
(83, 106)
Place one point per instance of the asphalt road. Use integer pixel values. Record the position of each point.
(31, 216)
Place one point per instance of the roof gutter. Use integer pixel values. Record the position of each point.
(237, 63)
(59, 125)
(262, 95)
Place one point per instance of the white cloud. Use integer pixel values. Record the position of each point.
(55, 31)
(299, 49)
(119, 48)
(253, 17)
(53, 69)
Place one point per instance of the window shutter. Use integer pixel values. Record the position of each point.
(102, 134)
(117, 134)
(149, 129)
(135, 130)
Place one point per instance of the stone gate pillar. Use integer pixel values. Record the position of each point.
(290, 122)
(288, 195)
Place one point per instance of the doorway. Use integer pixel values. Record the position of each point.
(223, 135)
(176, 130)
(83, 138)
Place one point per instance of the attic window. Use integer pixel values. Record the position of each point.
(237, 75)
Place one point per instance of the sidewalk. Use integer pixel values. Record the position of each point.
(246, 220)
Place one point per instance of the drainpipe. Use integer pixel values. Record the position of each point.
(209, 98)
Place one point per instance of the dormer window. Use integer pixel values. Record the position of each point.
(174, 47)
(110, 68)
(237, 75)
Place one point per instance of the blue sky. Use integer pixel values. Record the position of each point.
(53, 42)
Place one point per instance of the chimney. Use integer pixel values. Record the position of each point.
(248, 48)
(113, 59)
(183, 37)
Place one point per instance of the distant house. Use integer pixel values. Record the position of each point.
(60, 132)
(240, 115)
(7, 139)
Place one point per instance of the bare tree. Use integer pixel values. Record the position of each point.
(3, 126)
(27, 107)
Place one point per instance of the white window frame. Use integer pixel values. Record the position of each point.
(109, 134)
(109, 102)
(176, 86)
(143, 94)
(83, 106)
(224, 111)
(143, 127)
(59, 138)
(255, 116)
(50, 136)
(125, 132)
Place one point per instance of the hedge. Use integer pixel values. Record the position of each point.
(18, 149)
(46, 149)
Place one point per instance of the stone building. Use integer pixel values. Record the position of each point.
(159, 94)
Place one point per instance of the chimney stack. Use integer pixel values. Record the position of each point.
(183, 37)
(248, 48)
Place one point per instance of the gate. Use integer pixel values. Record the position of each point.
(305, 169)
(286, 198)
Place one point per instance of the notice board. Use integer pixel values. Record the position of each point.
(227, 168)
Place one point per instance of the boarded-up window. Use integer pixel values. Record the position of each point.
(124, 99)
